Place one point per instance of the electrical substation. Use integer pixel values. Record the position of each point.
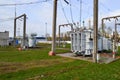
(88, 41)
(84, 41)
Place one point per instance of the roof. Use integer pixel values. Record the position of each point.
(40, 37)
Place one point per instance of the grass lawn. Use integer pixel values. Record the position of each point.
(35, 64)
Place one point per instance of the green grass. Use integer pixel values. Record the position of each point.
(35, 64)
(118, 52)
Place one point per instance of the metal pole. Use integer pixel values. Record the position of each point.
(52, 52)
(113, 46)
(95, 29)
(102, 32)
(103, 27)
(115, 41)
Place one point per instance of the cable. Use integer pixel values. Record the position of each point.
(66, 1)
(24, 3)
(64, 12)
(8, 19)
(104, 6)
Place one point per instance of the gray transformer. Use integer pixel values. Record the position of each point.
(82, 42)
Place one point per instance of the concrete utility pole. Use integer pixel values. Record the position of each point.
(70, 25)
(52, 52)
(95, 22)
(24, 29)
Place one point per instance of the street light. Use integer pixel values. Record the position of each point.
(46, 30)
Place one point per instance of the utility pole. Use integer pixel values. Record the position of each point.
(52, 52)
(95, 22)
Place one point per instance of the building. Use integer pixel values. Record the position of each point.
(4, 38)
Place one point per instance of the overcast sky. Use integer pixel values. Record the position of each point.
(41, 13)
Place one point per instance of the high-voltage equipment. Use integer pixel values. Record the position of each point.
(82, 42)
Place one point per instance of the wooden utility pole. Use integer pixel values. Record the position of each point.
(95, 23)
(52, 52)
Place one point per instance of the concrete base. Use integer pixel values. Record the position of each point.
(51, 53)
(20, 49)
(102, 58)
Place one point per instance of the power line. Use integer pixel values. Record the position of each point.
(64, 12)
(7, 19)
(66, 1)
(104, 6)
(24, 3)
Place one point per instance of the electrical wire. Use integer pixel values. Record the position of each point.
(24, 3)
(7, 19)
(66, 1)
(105, 7)
(64, 12)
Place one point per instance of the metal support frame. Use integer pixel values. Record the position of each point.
(116, 33)
(24, 29)
(115, 39)
(108, 18)
(70, 24)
